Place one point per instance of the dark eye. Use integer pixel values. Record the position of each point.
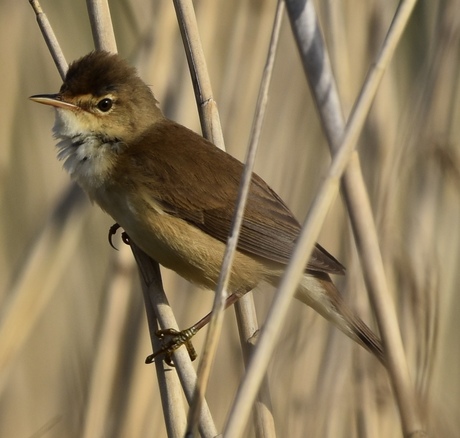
(105, 104)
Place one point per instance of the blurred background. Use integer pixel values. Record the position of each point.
(70, 303)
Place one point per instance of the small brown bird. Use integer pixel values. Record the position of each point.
(174, 192)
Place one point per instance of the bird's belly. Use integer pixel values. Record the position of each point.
(185, 249)
(193, 254)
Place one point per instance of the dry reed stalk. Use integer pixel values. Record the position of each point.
(101, 25)
(210, 124)
(207, 108)
(356, 194)
(411, 171)
(105, 40)
(157, 300)
(42, 271)
(110, 343)
(50, 38)
(374, 268)
(247, 318)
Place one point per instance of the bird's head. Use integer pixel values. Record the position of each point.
(101, 108)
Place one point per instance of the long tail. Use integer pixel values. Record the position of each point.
(318, 292)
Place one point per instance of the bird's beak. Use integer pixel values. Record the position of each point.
(53, 100)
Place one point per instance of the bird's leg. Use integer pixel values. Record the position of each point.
(112, 231)
(176, 338)
(179, 338)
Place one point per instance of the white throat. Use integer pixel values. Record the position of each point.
(88, 155)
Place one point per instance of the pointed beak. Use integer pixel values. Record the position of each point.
(53, 100)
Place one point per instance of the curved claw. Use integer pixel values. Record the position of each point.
(112, 231)
(177, 339)
(125, 238)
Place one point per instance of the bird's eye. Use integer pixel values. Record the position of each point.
(105, 104)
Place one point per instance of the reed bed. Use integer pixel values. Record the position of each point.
(73, 331)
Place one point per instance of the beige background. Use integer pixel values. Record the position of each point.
(56, 283)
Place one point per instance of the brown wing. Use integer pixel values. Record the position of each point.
(199, 183)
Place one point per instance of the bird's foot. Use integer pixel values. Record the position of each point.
(171, 340)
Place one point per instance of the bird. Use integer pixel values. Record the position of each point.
(174, 192)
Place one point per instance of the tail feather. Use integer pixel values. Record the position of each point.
(318, 292)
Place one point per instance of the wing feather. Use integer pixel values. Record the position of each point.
(199, 184)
